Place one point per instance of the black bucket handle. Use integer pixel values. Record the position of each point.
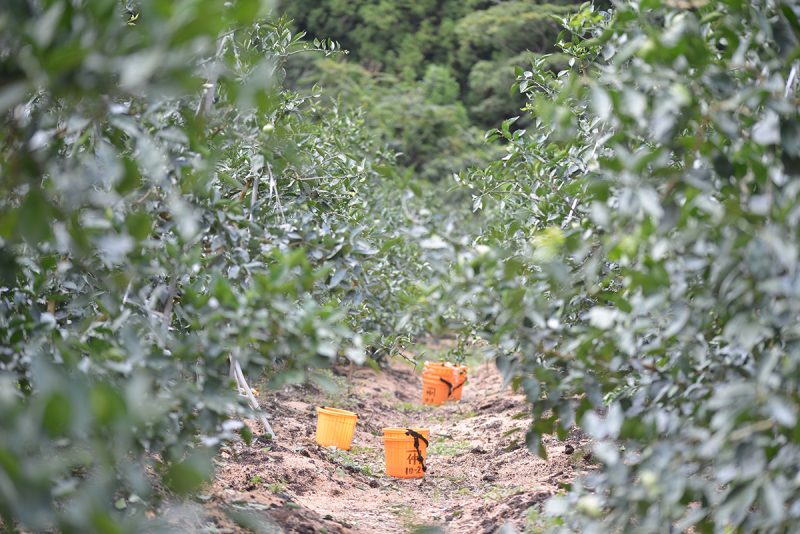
(417, 436)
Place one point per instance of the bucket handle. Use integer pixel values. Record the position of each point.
(449, 386)
(459, 385)
(417, 436)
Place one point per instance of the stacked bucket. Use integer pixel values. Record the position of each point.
(442, 382)
(405, 448)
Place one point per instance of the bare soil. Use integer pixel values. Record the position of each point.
(480, 474)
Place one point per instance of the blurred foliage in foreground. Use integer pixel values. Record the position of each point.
(167, 203)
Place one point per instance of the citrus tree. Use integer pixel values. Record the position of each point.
(173, 219)
(642, 263)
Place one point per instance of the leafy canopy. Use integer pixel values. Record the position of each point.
(167, 204)
(643, 267)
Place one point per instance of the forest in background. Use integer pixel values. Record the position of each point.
(431, 76)
(190, 196)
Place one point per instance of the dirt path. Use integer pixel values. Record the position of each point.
(480, 475)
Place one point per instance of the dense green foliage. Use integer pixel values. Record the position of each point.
(166, 205)
(404, 37)
(642, 275)
(399, 37)
(423, 122)
(180, 187)
(396, 48)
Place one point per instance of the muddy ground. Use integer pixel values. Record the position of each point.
(480, 475)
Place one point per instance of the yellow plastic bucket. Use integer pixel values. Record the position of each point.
(335, 427)
(405, 450)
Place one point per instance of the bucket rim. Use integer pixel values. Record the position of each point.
(327, 410)
(434, 378)
(402, 430)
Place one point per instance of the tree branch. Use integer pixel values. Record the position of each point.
(244, 389)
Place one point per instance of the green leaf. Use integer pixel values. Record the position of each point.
(189, 475)
(224, 293)
(534, 443)
(34, 217)
(57, 416)
(104, 523)
(247, 434)
(791, 16)
(107, 404)
(139, 225)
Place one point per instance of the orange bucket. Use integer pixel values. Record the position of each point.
(335, 427)
(405, 450)
(435, 389)
(459, 379)
(441, 377)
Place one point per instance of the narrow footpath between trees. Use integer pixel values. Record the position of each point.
(480, 474)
